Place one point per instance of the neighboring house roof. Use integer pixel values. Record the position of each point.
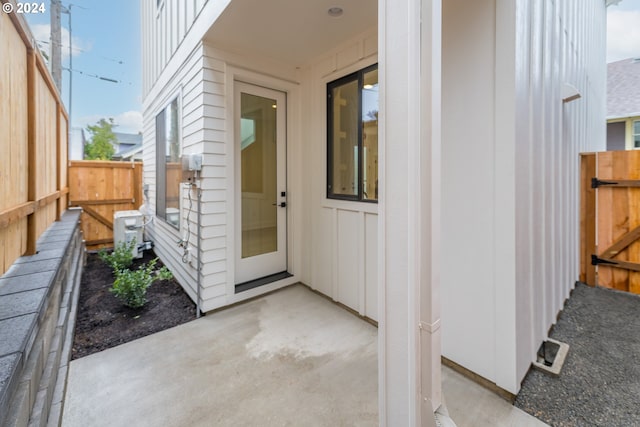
(133, 153)
(126, 142)
(623, 88)
(128, 138)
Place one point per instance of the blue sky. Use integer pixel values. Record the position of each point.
(623, 30)
(106, 32)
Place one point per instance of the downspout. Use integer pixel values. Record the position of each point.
(194, 181)
(199, 240)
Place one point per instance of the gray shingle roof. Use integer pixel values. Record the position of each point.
(130, 139)
(623, 88)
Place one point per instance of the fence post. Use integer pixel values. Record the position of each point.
(587, 218)
(137, 184)
(32, 157)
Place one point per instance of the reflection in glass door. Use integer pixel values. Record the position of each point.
(258, 164)
(260, 182)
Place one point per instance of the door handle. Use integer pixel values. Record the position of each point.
(281, 204)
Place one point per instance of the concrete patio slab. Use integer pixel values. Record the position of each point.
(471, 405)
(291, 358)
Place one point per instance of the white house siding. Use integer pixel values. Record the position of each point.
(340, 243)
(558, 42)
(510, 172)
(509, 166)
(332, 246)
(468, 132)
(177, 63)
(170, 30)
(202, 85)
(195, 87)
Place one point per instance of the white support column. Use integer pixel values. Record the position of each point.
(430, 179)
(409, 219)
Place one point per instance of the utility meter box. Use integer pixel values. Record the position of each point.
(191, 163)
(127, 226)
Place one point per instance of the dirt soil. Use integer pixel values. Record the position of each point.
(103, 321)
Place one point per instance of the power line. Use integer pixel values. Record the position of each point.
(77, 49)
(107, 79)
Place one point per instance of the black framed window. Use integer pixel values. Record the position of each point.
(352, 136)
(168, 166)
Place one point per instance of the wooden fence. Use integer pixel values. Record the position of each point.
(33, 134)
(610, 220)
(101, 188)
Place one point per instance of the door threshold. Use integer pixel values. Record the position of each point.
(245, 286)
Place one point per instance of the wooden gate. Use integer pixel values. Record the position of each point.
(101, 188)
(610, 220)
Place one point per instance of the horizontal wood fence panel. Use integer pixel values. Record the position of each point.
(33, 138)
(102, 188)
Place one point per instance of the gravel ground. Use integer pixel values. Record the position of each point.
(599, 384)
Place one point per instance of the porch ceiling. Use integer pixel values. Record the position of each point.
(293, 31)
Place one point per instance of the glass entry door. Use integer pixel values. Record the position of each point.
(260, 182)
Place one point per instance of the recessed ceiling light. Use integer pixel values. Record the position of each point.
(334, 12)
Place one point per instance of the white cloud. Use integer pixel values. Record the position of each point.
(42, 34)
(623, 34)
(127, 122)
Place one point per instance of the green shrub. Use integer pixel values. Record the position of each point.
(131, 286)
(121, 257)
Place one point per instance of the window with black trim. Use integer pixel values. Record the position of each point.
(636, 134)
(352, 136)
(168, 166)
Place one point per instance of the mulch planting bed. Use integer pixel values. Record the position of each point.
(103, 321)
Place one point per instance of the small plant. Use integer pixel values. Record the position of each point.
(131, 286)
(121, 257)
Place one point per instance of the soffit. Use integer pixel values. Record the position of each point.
(293, 31)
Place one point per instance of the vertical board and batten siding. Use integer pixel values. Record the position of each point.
(560, 42)
(468, 37)
(510, 172)
(33, 134)
(165, 25)
(340, 236)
